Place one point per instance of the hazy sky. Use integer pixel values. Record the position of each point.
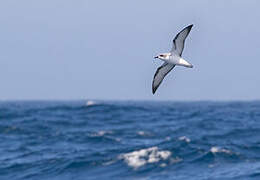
(67, 49)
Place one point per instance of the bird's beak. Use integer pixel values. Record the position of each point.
(155, 57)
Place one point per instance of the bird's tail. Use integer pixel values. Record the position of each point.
(185, 63)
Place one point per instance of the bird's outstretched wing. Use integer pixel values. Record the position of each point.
(160, 73)
(179, 40)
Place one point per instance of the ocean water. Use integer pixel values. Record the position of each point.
(79, 140)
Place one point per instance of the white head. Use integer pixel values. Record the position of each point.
(163, 56)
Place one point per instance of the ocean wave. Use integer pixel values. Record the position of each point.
(144, 133)
(141, 157)
(216, 149)
(90, 103)
(133, 140)
(101, 133)
(184, 138)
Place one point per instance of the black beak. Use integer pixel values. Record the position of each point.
(155, 57)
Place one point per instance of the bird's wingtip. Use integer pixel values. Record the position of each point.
(153, 90)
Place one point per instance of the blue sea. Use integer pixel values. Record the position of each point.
(91, 140)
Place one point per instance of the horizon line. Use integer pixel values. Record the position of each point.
(137, 100)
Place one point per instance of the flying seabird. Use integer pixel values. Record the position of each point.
(172, 58)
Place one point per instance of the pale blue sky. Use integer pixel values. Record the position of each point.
(64, 49)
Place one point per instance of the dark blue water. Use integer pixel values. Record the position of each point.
(129, 140)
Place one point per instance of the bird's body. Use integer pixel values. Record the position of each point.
(176, 60)
(172, 58)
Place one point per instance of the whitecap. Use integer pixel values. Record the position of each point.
(163, 165)
(216, 149)
(101, 133)
(141, 133)
(141, 157)
(90, 103)
(184, 138)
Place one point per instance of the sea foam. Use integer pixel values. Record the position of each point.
(215, 149)
(184, 138)
(141, 157)
(90, 103)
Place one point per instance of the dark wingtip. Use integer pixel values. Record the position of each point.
(154, 90)
(190, 26)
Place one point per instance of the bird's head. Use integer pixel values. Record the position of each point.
(163, 56)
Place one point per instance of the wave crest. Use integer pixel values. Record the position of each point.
(139, 158)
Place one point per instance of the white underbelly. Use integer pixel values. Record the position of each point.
(179, 61)
(172, 60)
